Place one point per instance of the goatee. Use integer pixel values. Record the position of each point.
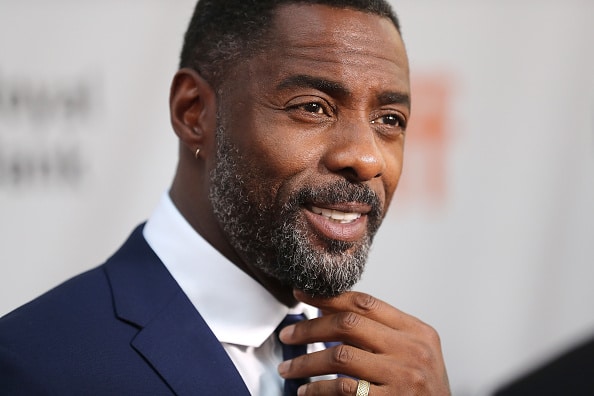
(274, 237)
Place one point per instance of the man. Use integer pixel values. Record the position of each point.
(291, 117)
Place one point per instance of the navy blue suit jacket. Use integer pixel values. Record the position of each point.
(124, 328)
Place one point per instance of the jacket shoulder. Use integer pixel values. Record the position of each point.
(70, 340)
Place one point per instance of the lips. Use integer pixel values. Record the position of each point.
(346, 222)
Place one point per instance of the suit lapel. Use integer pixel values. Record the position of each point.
(172, 337)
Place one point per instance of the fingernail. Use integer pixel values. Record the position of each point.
(286, 333)
(283, 368)
(301, 390)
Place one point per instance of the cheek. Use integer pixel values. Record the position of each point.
(394, 162)
(279, 169)
(282, 152)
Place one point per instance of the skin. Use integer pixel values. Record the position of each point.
(328, 100)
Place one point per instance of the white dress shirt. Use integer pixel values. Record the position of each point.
(239, 311)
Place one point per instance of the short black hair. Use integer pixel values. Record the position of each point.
(222, 32)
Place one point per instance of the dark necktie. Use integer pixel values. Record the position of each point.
(290, 352)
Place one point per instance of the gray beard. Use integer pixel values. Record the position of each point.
(273, 237)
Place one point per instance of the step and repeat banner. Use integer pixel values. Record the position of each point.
(490, 237)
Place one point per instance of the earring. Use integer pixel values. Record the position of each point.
(196, 153)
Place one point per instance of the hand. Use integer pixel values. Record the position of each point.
(397, 353)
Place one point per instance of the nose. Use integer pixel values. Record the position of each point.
(353, 151)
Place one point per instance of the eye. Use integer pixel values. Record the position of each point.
(391, 120)
(312, 107)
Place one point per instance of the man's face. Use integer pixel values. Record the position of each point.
(309, 146)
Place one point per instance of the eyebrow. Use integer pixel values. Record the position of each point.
(337, 89)
(332, 88)
(394, 98)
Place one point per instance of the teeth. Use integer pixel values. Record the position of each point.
(341, 217)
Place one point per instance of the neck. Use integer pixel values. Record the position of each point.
(193, 211)
(280, 291)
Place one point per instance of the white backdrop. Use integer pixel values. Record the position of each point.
(491, 235)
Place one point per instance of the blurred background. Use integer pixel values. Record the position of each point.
(490, 237)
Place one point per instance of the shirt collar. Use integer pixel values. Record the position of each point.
(236, 308)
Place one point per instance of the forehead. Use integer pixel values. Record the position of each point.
(305, 25)
(334, 43)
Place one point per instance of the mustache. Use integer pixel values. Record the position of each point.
(339, 192)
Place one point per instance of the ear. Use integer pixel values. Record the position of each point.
(193, 109)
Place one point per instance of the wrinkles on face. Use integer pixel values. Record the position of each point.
(310, 150)
(269, 231)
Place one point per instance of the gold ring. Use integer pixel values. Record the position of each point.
(362, 388)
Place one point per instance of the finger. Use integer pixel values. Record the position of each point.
(348, 328)
(363, 304)
(344, 360)
(378, 356)
(340, 386)
(385, 377)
